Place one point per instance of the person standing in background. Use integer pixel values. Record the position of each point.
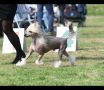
(61, 9)
(49, 8)
(1, 31)
(22, 11)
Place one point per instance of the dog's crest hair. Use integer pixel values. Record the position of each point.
(35, 28)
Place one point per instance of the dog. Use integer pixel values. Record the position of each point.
(42, 43)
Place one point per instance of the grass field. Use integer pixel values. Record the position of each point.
(88, 71)
(95, 9)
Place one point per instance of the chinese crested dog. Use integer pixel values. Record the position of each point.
(42, 43)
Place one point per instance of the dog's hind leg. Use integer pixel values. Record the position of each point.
(66, 54)
(39, 61)
(70, 57)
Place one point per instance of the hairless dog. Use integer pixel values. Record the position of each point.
(42, 43)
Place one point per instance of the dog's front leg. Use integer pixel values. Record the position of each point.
(39, 61)
(28, 54)
(23, 61)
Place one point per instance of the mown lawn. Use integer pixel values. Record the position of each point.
(88, 71)
(95, 9)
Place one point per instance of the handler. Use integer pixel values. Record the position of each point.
(7, 13)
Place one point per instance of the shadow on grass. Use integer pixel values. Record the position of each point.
(90, 58)
(69, 65)
(93, 26)
(90, 49)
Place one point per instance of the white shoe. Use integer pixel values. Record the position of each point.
(57, 64)
(21, 63)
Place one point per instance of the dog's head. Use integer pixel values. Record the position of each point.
(70, 26)
(34, 30)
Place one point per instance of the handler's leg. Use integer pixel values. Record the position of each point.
(14, 39)
(23, 61)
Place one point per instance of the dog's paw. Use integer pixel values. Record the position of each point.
(72, 59)
(39, 62)
(57, 64)
(21, 63)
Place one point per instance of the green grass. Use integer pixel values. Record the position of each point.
(95, 9)
(89, 68)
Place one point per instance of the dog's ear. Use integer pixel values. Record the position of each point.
(38, 25)
(71, 26)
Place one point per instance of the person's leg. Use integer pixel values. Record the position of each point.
(50, 11)
(45, 19)
(1, 31)
(61, 8)
(40, 14)
(14, 39)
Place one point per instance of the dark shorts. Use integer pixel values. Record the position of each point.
(7, 11)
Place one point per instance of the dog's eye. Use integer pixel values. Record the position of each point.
(30, 31)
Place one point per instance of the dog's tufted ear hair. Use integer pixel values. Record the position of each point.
(36, 23)
(38, 26)
(27, 29)
(70, 25)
